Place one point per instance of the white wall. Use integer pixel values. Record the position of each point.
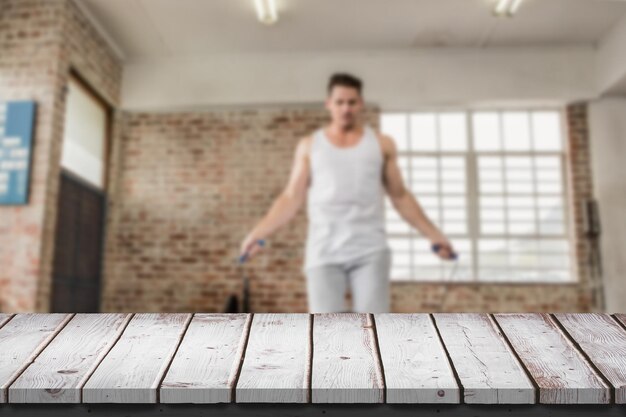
(611, 59)
(393, 79)
(607, 124)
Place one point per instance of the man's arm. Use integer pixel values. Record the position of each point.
(288, 202)
(404, 201)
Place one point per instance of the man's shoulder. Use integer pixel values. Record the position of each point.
(304, 144)
(386, 142)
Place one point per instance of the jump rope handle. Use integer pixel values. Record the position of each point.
(243, 257)
(437, 246)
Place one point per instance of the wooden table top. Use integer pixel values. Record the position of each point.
(472, 358)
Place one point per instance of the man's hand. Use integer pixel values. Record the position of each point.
(250, 246)
(444, 249)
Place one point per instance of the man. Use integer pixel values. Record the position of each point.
(343, 170)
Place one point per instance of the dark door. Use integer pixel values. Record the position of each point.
(78, 247)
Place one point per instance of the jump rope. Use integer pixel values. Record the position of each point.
(436, 247)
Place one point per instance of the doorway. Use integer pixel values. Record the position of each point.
(79, 239)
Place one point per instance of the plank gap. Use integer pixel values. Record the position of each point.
(381, 366)
(517, 357)
(619, 322)
(129, 317)
(445, 349)
(577, 346)
(167, 368)
(37, 352)
(8, 319)
(244, 347)
(310, 375)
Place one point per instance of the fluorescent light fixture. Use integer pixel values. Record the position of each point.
(506, 7)
(266, 11)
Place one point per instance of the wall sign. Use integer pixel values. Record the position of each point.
(16, 140)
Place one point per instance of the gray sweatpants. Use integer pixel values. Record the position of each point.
(368, 280)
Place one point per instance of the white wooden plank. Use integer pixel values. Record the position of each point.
(205, 367)
(345, 365)
(559, 369)
(132, 370)
(604, 342)
(21, 340)
(488, 370)
(59, 372)
(620, 317)
(4, 318)
(416, 367)
(277, 362)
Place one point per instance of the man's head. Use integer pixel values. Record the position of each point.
(344, 101)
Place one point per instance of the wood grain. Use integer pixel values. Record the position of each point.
(417, 369)
(132, 370)
(321, 358)
(21, 340)
(61, 369)
(604, 342)
(345, 366)
(4, 318)
(620, 317)
(488, 370)
(207, 362)
(277, 364)
(559, 369)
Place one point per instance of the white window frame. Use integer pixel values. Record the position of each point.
(473, 196)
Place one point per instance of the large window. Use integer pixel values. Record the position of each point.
(494, 182)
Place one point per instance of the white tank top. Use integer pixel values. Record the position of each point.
(345, 200)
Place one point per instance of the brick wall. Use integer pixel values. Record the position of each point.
(40, 41)
(190, 185)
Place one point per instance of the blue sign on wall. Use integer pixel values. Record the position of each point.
(16, 140)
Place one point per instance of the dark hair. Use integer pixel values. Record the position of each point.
(345, 79)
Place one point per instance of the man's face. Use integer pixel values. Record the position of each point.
(344, 104)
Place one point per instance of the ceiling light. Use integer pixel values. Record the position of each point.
(266, 11)
(506, 7)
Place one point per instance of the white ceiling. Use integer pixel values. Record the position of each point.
(158, 28)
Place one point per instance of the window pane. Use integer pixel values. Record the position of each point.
(452, 162)
(518, 162)
(553, 162)
(492, 215)
(516, 131)
(422, 162)
(425, 174)
(424, 187)
(490, 162)
(551, 187)
(546, 131)
(453, 131)
(394, 125)
(423, 132)
(486, 128)
(400, 244)
(451, 202)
